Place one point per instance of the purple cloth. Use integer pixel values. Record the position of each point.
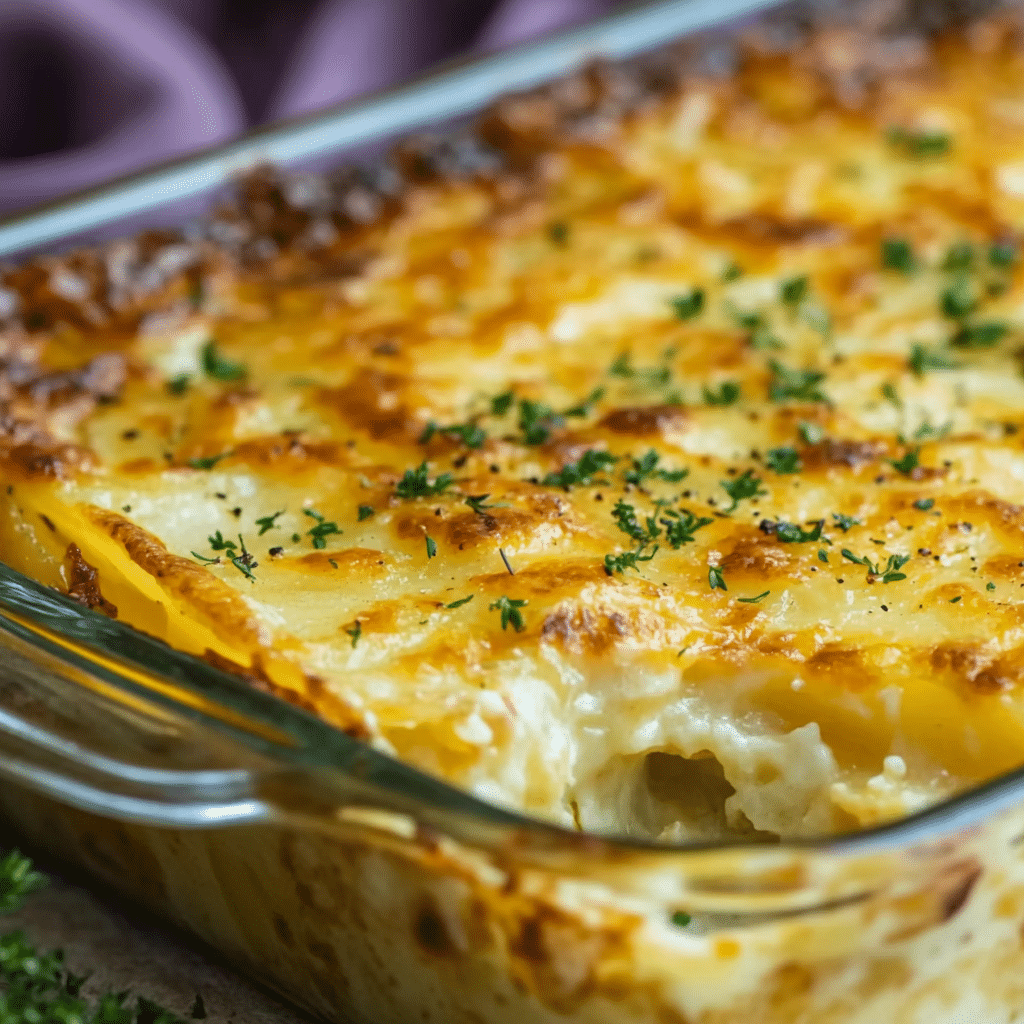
(90, 89)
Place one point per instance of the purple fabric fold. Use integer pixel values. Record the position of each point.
(91, 89)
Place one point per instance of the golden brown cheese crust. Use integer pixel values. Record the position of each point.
(783, 307)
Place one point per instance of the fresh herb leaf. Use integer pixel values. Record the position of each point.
(732, 273)
(983, 335)
(582, 472)
(647, 466)
(688, 306)
(716, 581)
(856, 559)
(783, 460)
(953, 600)
(18, 880)
(365, 511)
(793, 290)
(1003, 255)
(845, 522)
(926, 432)
(627, 560)
(681, 919)
(924, 504)
(355, 632)
(204, 559)
(558, 232)
(811, 433)
(753, 600)
(817, 317)
(243, 561)
(654, 377)
(919, 144)
(586, 407)
(268, 522)
(510, 612)
(822, 555)
(461, 601)
(219, 367)
(208, 462)
(322, 530)
(501, 404)
(476, 503)
(959, 257)
(415, 483)
(681, 526)
(958, 299)
(897, 254)
(990, 586)
(470, 434)
(220, 543)
(891, 395)
(431, 547)
(727, 394)
(923, 359)
(891, 574)
(536, 421)
(799, 385)
(791, 533)
(747, 485)
(908, 463)
(625, 518)
(178, 385)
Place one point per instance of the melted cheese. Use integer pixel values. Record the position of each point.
(805, 692)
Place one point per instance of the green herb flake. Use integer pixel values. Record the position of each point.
(956, 599)
(461, 601)
(919, 144)
(990, 586)
(431, 547)
(355, 632)
(845, 522)
(510, 612)
(793, 290)
(558, 232)
(908, 463)
(959, 257)
(898, 255)
(747, 485)
(680, 526)
(220, 543)
(627, 560)
(753, 600)
(791, 533)
(536, 421)
(625, 518)
(177, 386)
(799, 385)
(822, 555)
(923, 359)
(811, 433)
(924, 504)
(219, 367)
(472, 435)
(688, 306)
(891, 395)
(18, 880)
(501, 404)
(582, 472)
(322, 530)
(365, 511)
(586, 407)
(783, 460)
(958, 299)
(415, 483)
(983, 335)
(243, 560)
(1003, 255)
(204, 559)
(733, 272)
(208, 462)
(716, 581)
(728, 393)
(268, 522)
(680, 918)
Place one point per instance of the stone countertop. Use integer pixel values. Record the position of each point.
(120, 947)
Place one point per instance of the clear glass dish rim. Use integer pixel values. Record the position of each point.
(56, 625)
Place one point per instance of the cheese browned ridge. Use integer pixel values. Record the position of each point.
(650, 460)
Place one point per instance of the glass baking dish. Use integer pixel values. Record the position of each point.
(370, 892)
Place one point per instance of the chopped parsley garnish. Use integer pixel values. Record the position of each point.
(924, 504)
(680, 918)
(461, 601)
(822, 555)
(17, 880)
(959, 257)
(681, 526)
(558, 232)
(923, 359)
(732, 273)
(582, 472)
(919, 144)
(958, 299)
(178, 385)
(791, 533)
(908, 463)
(627, 560)
(431, 547)
(727, 394)
(501, 404)
(205, 560)
(811, 433)
(625, 518)
(891, 395)
(716, 581)
(747, 485)
(990, 586)
(799, 385)
(322, 530)
(365, 511)
(783, 460)
(753, 600)
(897, 254)
(688, 306)
(647, 466)
(470, 434)
(927, 432)
(845, 522)
(510, 612)
(1003, 255)
(536, 421)
(220, 543)
(983, 335)
(793, 290)
(208, 462)
(953, 600)
(759, 332)
(219, 367)
(476, 503)
(355, 632)
(415, 483)
(817, 318)
(243, 561)
(268, 522)
(654, 376)
(586, 407)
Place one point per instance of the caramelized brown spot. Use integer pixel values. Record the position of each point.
(431, 932)
(756, 553)
(642, 421)
(853, 454)
(372, 401)
(974, 669)
(83, 582)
